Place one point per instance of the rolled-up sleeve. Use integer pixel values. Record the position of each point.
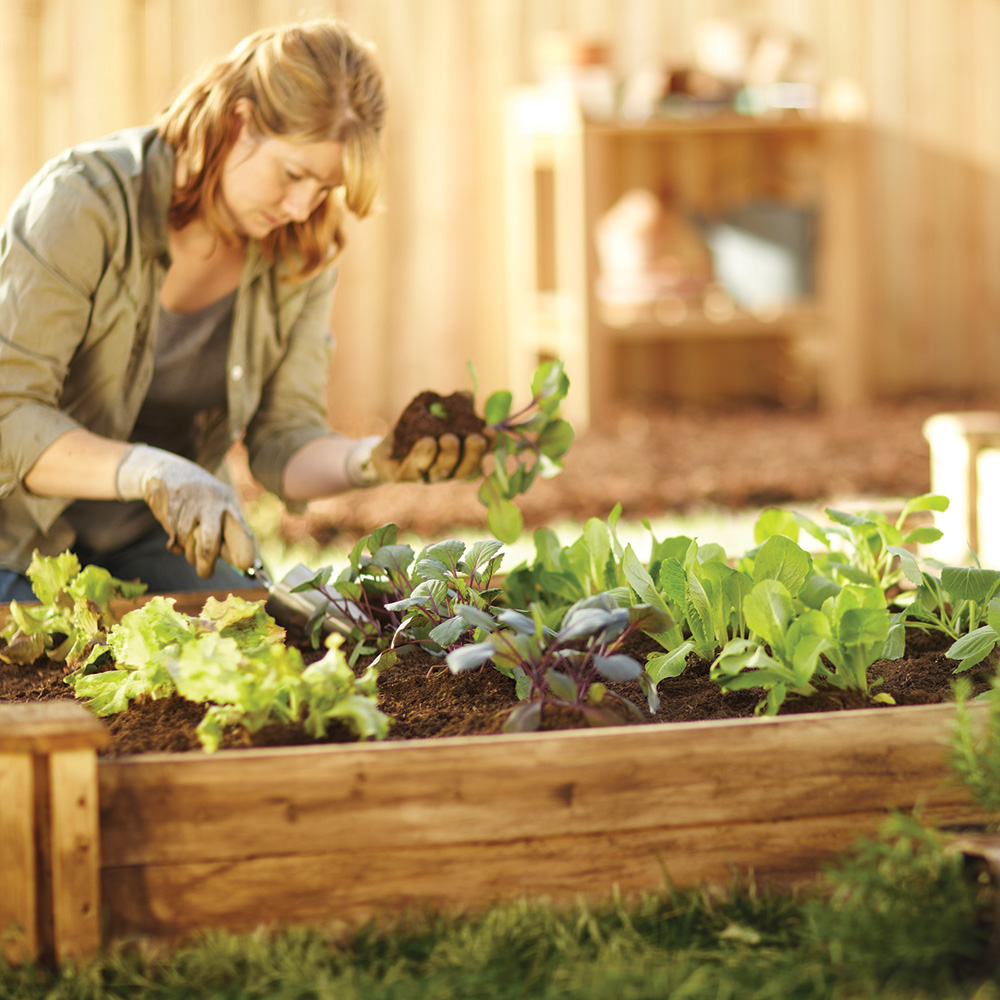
(54, 249)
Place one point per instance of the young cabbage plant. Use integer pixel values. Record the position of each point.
(973, 647)
(389, 596)
(785, 654)
(862, 631)
(561, 667)
(527, 442)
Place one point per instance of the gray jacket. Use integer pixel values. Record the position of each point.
(83, 254)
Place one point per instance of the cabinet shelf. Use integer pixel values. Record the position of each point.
(564, 172)
(642, 322)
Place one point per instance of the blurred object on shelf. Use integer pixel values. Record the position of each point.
(844, 100)
(578, 67)
(722, 50)
(643, 92)
(752, 69)
(763, 254)
(648, 252)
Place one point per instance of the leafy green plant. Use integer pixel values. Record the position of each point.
(960, 603)
(526, 443)
(232, 657)
(71, 621)
(560, 667)
(785, 654)
(388, 595)
(861, 632)
(784, 651)
(560, 574)
(696, 587)
(863, 547)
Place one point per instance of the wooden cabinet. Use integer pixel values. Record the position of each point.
(564, 173)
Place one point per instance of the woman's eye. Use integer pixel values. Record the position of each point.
(293, 176)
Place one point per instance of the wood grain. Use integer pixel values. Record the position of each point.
(18, 881)
(74, 855)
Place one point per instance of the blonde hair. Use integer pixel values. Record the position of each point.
(309, 82)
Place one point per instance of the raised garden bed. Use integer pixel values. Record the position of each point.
(106, 848)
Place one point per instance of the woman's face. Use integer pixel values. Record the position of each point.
(267, 183)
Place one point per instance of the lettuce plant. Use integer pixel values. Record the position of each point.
(560, 667)
(75, 610)
(233, 658)
(560, 574)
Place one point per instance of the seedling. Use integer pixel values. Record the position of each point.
(560, 667)
(389, 596)
(528, 442)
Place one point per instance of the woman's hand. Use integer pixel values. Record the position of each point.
(431, 460)
(200, 513)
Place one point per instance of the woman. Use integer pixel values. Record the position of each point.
(164, 293)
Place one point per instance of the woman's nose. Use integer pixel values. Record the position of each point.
(298, 205)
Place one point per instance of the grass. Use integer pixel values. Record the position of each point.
(900, 917)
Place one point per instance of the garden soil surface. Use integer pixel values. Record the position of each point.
(652, 463)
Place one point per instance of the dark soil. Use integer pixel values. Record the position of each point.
(431, 415)
(425, 700)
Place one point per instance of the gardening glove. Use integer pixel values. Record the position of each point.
(200, 513)
(431, 459)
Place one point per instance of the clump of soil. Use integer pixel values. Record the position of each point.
(425, 699)
(431, 415)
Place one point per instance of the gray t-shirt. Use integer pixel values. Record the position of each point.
(189, 377)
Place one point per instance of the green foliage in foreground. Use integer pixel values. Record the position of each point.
(899, 918)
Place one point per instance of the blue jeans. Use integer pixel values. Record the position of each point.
(146, 559)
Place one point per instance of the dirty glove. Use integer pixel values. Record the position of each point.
(431, 459)
(199, 512)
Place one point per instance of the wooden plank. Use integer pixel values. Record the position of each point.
(18, 876)
(19, 104)
(47, 726)
(355, 880)
(74, 855)
(161, 810)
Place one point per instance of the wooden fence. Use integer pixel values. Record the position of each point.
(422, 288)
